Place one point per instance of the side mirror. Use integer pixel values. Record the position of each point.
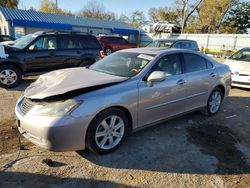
(155, 76)
(32, 47)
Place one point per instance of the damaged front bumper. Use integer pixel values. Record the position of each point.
(65, 133)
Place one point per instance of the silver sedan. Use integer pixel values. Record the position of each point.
(96, 107)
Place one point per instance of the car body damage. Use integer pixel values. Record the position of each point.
(69, 81)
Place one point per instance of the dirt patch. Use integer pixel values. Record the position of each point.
(219, 141)
(9, 137)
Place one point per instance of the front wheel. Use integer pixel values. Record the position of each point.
(10, 76)
(214, 102)
(107, 131)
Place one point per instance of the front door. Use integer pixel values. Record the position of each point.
(165, 98)
(43, 55)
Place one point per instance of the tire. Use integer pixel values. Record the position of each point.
(108, 51)
(10, 76)
(85, 63)
(104, 138)
(214, 102)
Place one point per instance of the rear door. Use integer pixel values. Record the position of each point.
(200, 76)
(70, 50)
(165, 98)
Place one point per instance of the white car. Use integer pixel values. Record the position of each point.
(239, 64)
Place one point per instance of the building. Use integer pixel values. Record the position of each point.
(16, 22)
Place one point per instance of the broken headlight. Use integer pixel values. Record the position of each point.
(60, 108)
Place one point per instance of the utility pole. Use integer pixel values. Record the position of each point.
(56, 5)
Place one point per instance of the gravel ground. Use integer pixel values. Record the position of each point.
(189, 151)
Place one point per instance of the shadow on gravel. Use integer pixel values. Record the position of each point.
(189, 144)
(18, 179)
(22, 86)
(219, 141)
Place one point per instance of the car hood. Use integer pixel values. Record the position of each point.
(240, 66)
(65, 80)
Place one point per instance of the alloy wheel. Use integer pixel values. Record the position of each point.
(215, 102)
(8, 77)
(109, 132)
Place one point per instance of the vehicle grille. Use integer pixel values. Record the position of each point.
(26, 105)
(244, 74)
(242, 83)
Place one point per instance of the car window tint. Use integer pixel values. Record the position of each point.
(177, 45)
(194, 46)
(243, 55)
(46, 42)
(209, 65)
(170, 65)
(194, 62)
(88, 42)
(121, 40)
(69, 42)
(185, 45)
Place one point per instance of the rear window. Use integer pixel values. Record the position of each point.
(194, 63)
(88, 41)
(69, 42)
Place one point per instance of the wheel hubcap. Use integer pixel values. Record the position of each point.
(8, 76)
(109, 132)
(214, 102)
(108, 51)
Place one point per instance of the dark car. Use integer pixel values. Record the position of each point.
(114, 43)
(41, 52)
(4, 38)
(178, 43)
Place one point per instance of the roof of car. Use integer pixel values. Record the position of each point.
(174, 40)
(109, 36)
(153, 50)
(61, 32)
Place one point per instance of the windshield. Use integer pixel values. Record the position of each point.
(122, 64)
(158, 43)
(24, 41)
(242, 55)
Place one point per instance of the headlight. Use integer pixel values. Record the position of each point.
(56, 108)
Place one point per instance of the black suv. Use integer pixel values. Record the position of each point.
(41, 52)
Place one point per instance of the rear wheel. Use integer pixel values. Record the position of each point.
(10, 76)
(214, 102)
(107, 131)
(108, 51)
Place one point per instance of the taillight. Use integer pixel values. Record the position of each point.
(101, 53)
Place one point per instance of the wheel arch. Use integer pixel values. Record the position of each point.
(222, 88)
(13, 64)
(87, 59)
(123, 109)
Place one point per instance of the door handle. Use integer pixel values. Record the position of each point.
(180, 82)
(213, 74)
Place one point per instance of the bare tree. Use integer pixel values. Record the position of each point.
(186, 10)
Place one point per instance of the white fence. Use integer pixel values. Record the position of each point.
(210, 41)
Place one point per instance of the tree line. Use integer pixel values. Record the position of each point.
(194, 16)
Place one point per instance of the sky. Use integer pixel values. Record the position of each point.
(117, 6)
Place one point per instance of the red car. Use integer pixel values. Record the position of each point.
(114, 43)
